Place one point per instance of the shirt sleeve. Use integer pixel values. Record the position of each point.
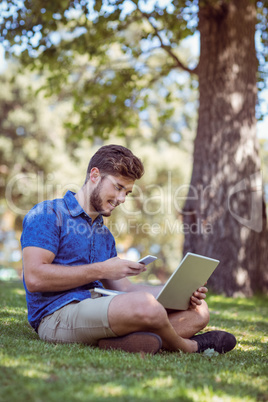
(41, 228)
(113, 250)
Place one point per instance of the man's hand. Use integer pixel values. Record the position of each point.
(117, 268)
(41, 275)
(198, 296)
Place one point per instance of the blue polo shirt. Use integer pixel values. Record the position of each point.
(63, 227)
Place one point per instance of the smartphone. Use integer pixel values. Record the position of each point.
(148, 259)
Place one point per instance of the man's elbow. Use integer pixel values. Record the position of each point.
(32, 284)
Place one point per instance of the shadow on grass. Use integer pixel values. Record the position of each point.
(77, 373)
(163, 384)
(238, 325)
(243, 304)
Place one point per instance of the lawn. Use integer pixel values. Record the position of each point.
(31, 370)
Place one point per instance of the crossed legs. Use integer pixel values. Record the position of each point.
(140, 311)
(106, 320)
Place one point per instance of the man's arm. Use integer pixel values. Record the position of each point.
(124, 285)
(43, 276)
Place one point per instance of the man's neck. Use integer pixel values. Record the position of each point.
(83, 201)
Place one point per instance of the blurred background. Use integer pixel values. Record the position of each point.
(61, 98)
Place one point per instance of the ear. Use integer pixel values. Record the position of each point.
(95, 175)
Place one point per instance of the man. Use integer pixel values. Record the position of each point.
(67, 251)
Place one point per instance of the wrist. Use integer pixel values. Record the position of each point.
(94, 272)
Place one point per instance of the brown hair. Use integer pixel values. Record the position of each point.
(116, 160)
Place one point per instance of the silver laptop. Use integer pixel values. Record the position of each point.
(192, 272)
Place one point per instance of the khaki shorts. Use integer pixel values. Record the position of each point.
(82, 322)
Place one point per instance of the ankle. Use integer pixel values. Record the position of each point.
(188, 346)
(192, 346)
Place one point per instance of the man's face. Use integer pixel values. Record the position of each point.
(110, 192)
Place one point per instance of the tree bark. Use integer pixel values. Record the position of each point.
(224, 216)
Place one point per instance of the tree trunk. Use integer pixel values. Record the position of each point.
(224, 216)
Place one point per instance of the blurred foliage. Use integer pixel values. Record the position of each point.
(32, 143)
(106, 55)
(34, 164)
(37, 164)
(102, 57)
(111, 71)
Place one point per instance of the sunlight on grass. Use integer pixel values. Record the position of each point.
(47, 372)
(24, 367)
(13, 313)
(20, 292)
(207, 394)
(34, 373)
(160, 382)
(8, 362)
(107, 390)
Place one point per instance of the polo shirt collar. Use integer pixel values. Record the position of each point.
(75, 208)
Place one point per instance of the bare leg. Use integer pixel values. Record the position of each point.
(187, 323)
(140, 311)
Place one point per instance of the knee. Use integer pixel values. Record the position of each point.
(150, 312)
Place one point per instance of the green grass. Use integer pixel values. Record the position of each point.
(32, 370)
